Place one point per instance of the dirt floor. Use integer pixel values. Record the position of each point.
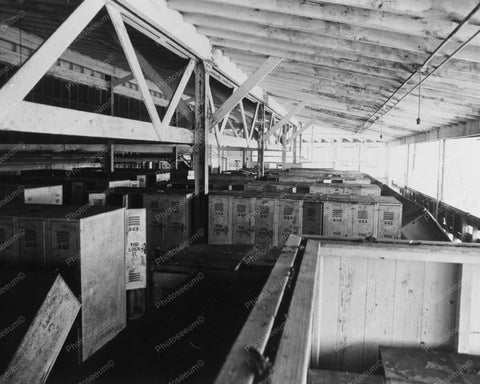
(185, 340)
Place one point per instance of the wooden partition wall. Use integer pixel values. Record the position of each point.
(394, 295)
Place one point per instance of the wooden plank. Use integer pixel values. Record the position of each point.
(428, 254)
(468, 318)
(102, 280)
(174, 102)
(317, 315)
(293, 354)
(45, 337)
(409, 287)
(329, 312)
(351, 313)
(440, 306)
(406, 365)
(255, 333)
(134, 64)
(379, 308)
(268, 66)
(23, 81)
(285, 119)
(316, 376)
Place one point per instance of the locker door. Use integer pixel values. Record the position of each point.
(243, 219)
(8, 243)
(337, 219)
(363, 217)
(155, 206)
(289, 219)
(220, 220)
(32, 243)
(176, 227)
(266, 222)
(389, 221)
(336, 189)
(312, 218)
(63, 245)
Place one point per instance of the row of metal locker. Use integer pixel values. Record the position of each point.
(268, 219)
(39, 235)
(323, 188)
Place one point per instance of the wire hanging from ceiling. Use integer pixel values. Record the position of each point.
(419, 120)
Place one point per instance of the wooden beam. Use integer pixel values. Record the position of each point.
(35, 118)
(254, 120)
(255, 334)
(179, 92)
(23, 81)
(224, 123)
(244, 123)
(245, 88)
(300, 131)
(132, 59)
(469, 129)
(285, 119)
(468, 320)
(218, 134)
(165, 87)
(293, 354)
(123, 80)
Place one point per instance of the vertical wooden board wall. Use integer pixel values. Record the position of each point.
(351, 312)
(475, 315)
(439, 305)
(366, 303)
(409, 286)
(329, 313)
(379, 310)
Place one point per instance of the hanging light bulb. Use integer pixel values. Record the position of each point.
(419, 120)
(381, 127)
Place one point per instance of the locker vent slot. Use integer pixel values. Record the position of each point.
(218, 208)
(288, 213)
(388, 236)
(134, 277)
(134, 221)
(362, 234)
(63, 239)
(264, 212)
(241, 210)
(241, 229)
(388, 218)
(337, 233)
(30, 238)
(362, 217)
(337, 215)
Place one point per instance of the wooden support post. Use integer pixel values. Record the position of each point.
(261, 142)
(175, 156)
(200, 148)
(23, 81)
(294, 140)
(440, 175)
(300, 148)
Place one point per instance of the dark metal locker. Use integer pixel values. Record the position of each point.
(290, 218)
(8, 243)
(178, 220)
(266, 221)
(31, 244)
(243, 220)
(312, 218)
(220, 220)
(63, 244)
(156, 205)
